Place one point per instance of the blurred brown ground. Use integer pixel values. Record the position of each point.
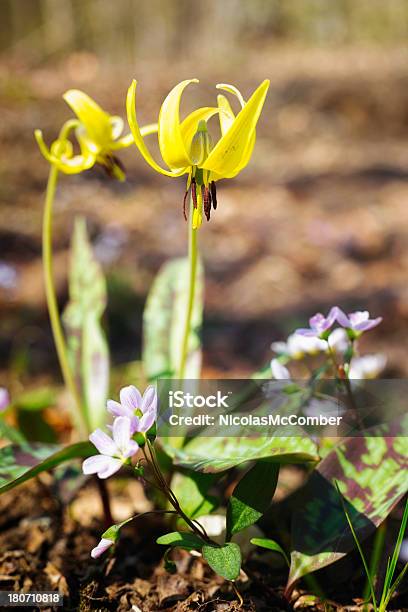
(318, 218)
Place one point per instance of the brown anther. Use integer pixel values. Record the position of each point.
(213, 194)
(108, 164)
(207, 202)
(185, 205)
(194, 192)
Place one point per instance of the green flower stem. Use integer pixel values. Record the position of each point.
(194, 525)
(193, 259)
(53, 305)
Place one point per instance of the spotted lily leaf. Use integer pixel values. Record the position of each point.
(89, 354)
(163, 322)
(372, 477)
(219, 454)
(20, 463)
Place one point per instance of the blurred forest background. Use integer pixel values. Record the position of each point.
(318, 218)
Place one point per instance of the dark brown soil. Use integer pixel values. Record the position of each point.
(43, 547)
(46, 546)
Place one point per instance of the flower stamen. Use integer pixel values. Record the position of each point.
(213, 194)
(206, 201)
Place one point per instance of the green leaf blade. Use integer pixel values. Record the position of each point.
(252, 496)
(224, 560)
(270, 545)
(181, 539)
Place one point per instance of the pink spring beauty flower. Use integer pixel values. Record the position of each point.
(103, 545)
(358, 321)
(142, 411)
(4, 399)
(319, 324)
(114, 452)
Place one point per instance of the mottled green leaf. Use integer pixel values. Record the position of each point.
(191, 490)
(182, 539)
(89, 354)
(218, 454)
(164, 320)
(18, 464)
(372, 473)
(252, 496)
(224, 560)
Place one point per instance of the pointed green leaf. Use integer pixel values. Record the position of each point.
(18, 464)
(224, 560)
(182, 539)
(372, 477)
(270, 545)
(191, 490)
(252, 496)
(112, 533)
(89, 354)
(164, 319)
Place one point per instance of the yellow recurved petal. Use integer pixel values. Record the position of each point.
(171, 140)
(246, 156)
(68, 165)
(96, 122)
(232, 148)
(233, 90)
(190, 124)
(116, 124)
(226, 114)
(138, 137)
(128, 140)
(227, 118)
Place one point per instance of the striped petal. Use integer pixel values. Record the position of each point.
(130, 397)
(102, 465)
(149, 401)
(121, 433)
(103, 442)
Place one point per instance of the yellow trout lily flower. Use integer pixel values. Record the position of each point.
(99, 135)
(187, 148)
